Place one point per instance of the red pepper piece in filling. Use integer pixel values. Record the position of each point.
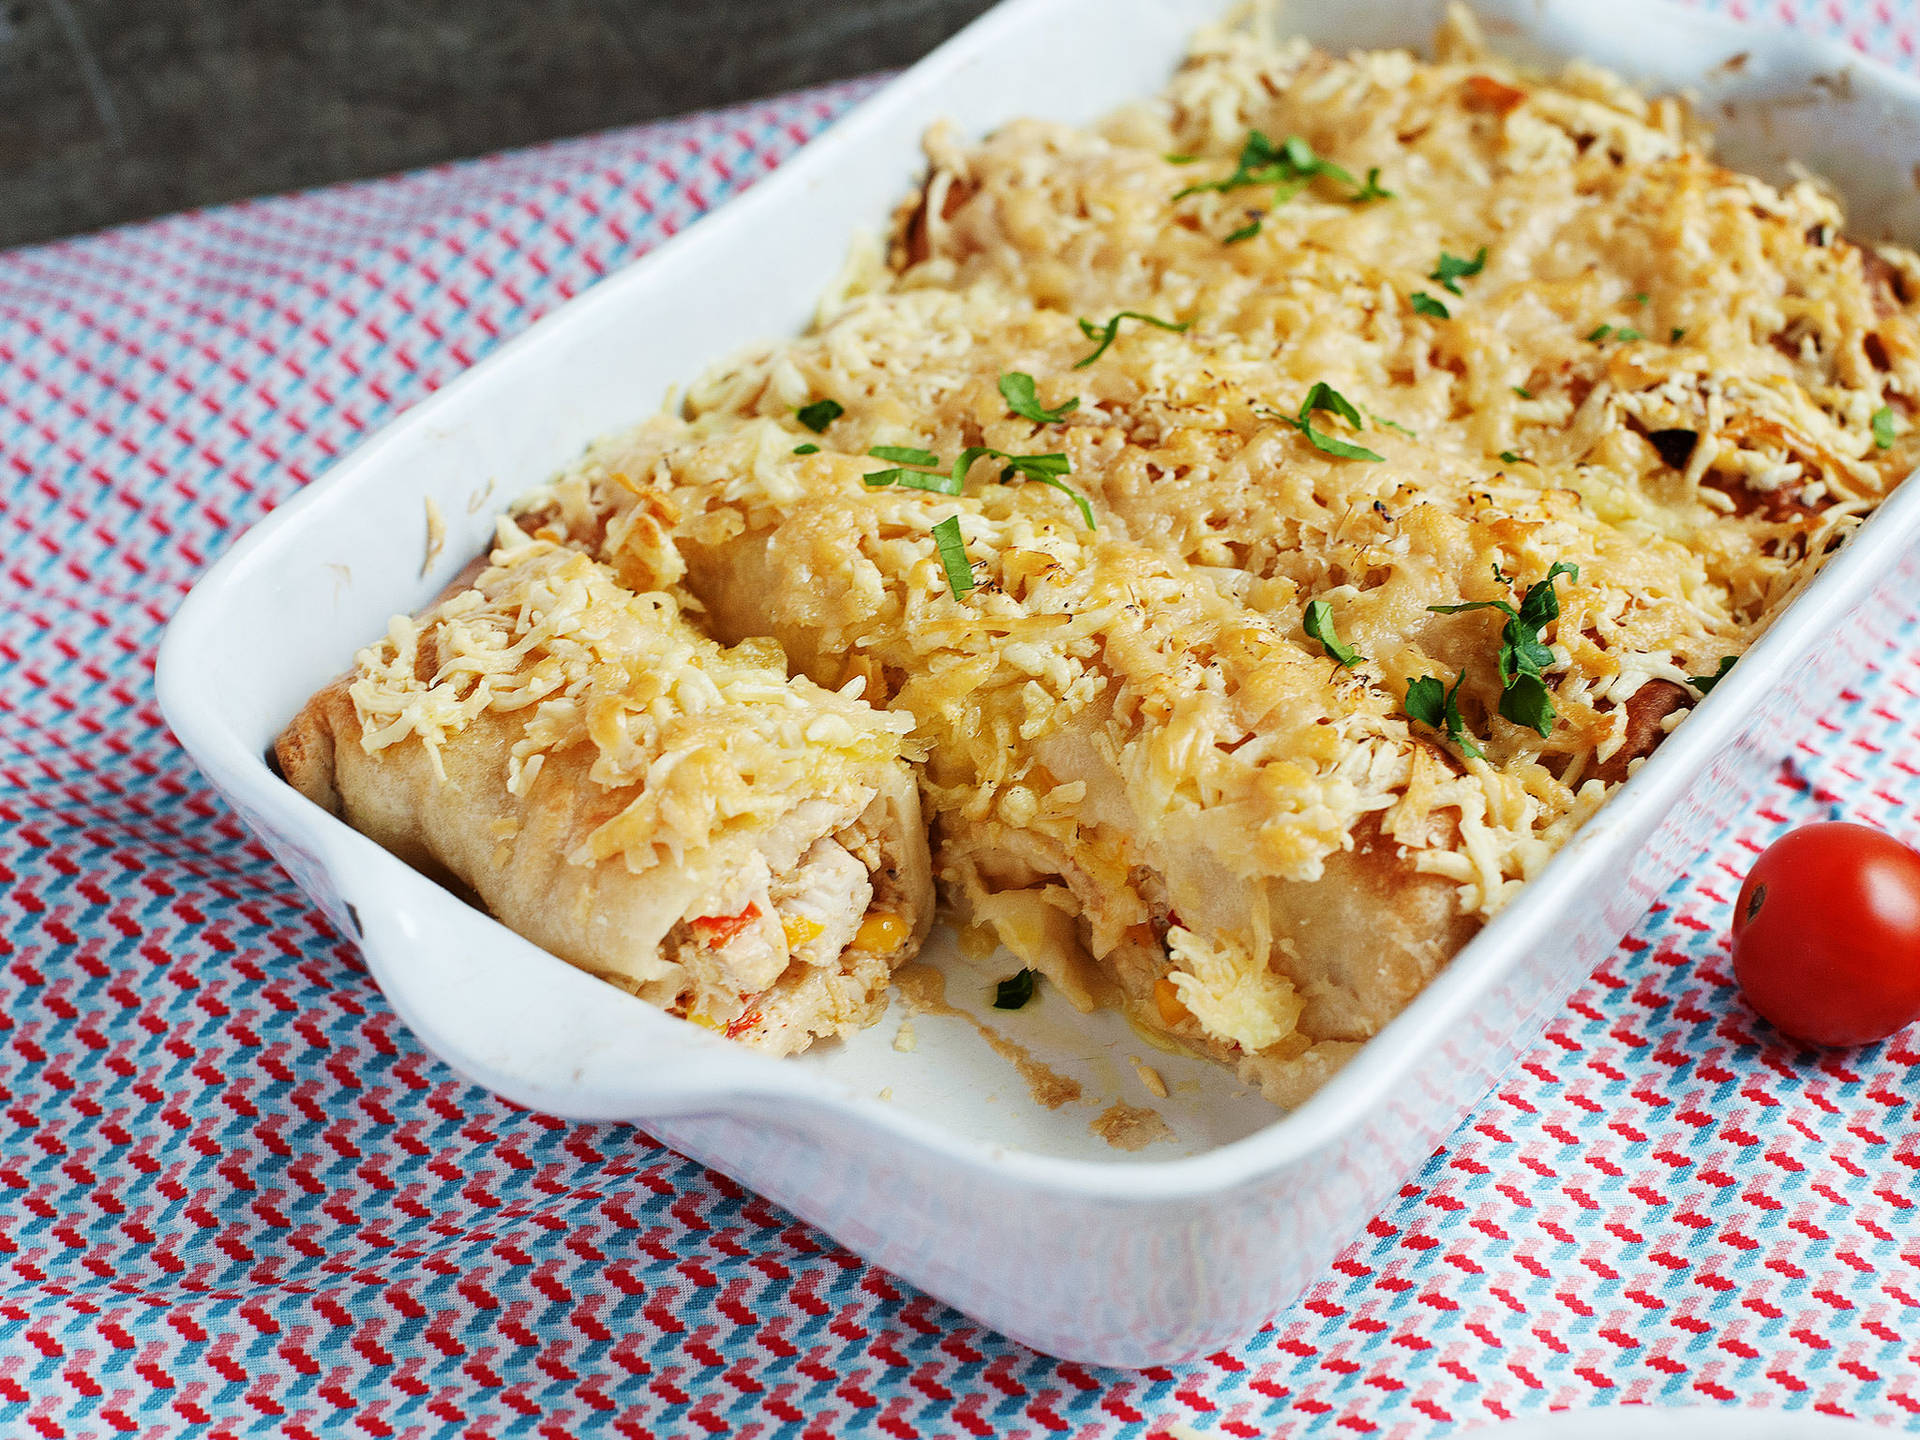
(717, 930)
(745, 1023)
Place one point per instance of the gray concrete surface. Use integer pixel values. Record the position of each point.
(115, 109)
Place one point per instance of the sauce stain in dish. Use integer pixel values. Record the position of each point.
(1130, 1127)
(924, 991)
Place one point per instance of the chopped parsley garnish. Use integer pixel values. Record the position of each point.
(1105, 333)
(937, 481)
(1324, 397)
(1524, 697)
(904, 455)
(1015, 991)
(807, 449)
(953, 555)
(1883, 427)
(1523, 392)
(1047, 469)
(1381, 422)
(1528, 701)
(1704, 683)
(1289, 167)
(1319, 625)
(1514, 457)
(1016, 388)
(1625, 333)
(1452, 269)
(1438, 708)
(1678, 334)
(1642, 298)
(1425, 304)
(820, 414)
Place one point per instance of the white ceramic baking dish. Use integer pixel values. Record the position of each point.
(933, 1161)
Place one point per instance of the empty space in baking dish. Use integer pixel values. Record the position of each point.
(320, 577)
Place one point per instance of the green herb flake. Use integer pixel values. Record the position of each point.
(1425, 304)
(1017, 389)
(1323, 397)
(1452, 269)
(953, 555)
(1541, 603)
(1600, 332)
(808, 449)
(1182, 159)
(1626, 335)
(1523, 392)
(1524, 656)
(1079, 500)
(1433, 705)
(904, 455)
(1513, 457)
(1677, 334)
(1289, 168)
(1705, 683)
(1015, 991)
(1642, 298)
(1373, 189)
(1047, 469)
(820, 414)
(1034, 467)
(1527, 701)
(1380, 422)
(933, 480)
(1319, 624)
(1883, 427)
(1257, 157)
(1106, 333)
(1291, 163)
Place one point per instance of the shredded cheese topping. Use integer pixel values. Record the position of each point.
(707, 738)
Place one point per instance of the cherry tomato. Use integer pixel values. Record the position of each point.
(1826, 934)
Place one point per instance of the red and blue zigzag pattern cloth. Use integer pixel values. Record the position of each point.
(237, 1199)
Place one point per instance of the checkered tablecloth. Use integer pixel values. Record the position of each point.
(237, 1198)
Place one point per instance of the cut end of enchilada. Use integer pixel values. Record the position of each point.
(740, 848)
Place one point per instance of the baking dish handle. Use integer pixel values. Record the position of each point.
(519, 1021)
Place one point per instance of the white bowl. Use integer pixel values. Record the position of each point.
(957, 1181)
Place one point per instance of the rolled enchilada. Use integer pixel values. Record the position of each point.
(683, 819)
